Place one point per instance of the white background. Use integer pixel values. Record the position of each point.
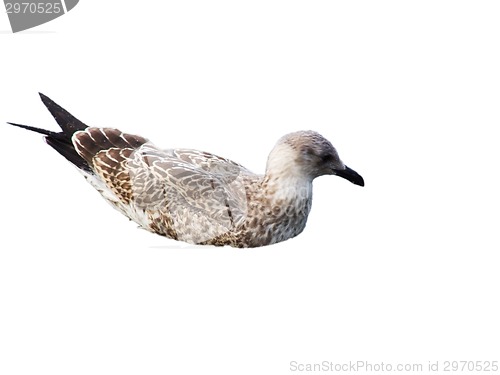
(404, 270)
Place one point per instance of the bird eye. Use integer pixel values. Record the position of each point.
(327, 158)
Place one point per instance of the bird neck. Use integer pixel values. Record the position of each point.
(289, 192)
(286, 183)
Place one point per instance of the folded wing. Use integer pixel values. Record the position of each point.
(184, 194)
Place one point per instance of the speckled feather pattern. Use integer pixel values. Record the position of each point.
(188, 195)
(194, 196)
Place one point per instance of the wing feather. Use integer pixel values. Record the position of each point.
(186, 194)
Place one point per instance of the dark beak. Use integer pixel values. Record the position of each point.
(351, 175)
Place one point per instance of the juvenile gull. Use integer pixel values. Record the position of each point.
(198, 197)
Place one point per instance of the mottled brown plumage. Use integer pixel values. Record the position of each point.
(195, 196)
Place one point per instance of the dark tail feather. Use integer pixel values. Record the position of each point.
(38, 130)
(61, 142)
(68, 123)
(67, 150)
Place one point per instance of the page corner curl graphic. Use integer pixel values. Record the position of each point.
(26, 14)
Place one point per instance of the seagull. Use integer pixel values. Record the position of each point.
(195, 196)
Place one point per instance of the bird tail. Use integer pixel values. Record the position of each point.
(61, 142)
